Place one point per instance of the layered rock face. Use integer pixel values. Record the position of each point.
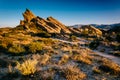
(58, 25)
(49, 25)
(28, 15)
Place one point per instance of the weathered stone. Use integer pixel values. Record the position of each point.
(28, 15)
(64, 29)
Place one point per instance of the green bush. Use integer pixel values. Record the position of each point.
(109, 38)
(35, 47)
(118, 37)
(16, 49)
(20, 27)
(94, 44)
(43, 34)
(6, 42)
(6, 35)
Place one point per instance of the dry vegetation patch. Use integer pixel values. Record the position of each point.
(64, 59)
(43, 59)
(16, 49)
(73, 73)
(35, 47)
(110, 67)
(82, 57)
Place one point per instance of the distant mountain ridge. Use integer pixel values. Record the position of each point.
(102, 26)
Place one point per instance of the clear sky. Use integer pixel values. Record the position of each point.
(69, 12)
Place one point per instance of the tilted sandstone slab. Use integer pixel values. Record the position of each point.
(49, 25)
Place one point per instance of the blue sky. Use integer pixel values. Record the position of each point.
(69, 12)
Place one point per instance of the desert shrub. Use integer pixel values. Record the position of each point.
(43, 34)
(116, 53)
(118, 37)
(73, 73)
(20, 27)
(85, 32)
(6, 42)
(109, 38)
(96, 70)
(72, 37)
(47, 41)
(35, 47)
(16, 49)
(110, 67)
(11, 76)
(82, 57)
(94, 44)
(54, 34)
(43, 59)
(5, 63)
(64, 58)
(27, 67)
(6, 34)
(2, 48)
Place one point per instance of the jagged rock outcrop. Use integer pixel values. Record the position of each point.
(49, 25)
(28, 15)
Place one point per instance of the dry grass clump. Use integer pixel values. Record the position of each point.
(82, 57)
(110, 67)
(73, 73)
(64, 59)
(43, 59)
(27, 67)
(35, 47)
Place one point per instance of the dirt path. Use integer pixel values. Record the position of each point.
(111, 57)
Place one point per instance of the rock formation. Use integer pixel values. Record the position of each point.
(91, 30)
(51, 25)
(86, 30)
(58, 24)
(28, 15)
